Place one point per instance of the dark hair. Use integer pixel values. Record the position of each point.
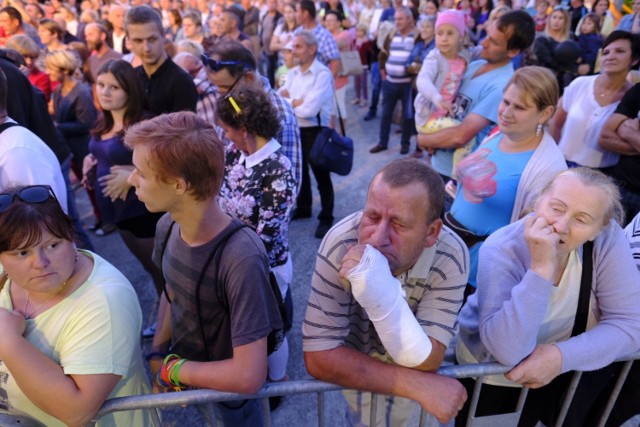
(182, 145)
(233, 50)
(334, 13)
(309, 6)
(136, 101)
(403, 172)
(519, 27)
(234, 13)
(595, 18)
(12, 12)
(37, 6)
(143, 15)
(256, 113)
(595, 3)
(436, 2)
(176, 15)
(634, 40)
(52, 26)
(22, 224)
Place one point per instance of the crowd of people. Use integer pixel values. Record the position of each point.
(190, 125)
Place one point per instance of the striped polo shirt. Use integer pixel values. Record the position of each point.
(433, 289)
(399, 52)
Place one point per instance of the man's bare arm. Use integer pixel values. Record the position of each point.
(454, 137)
(611, 140)
(441, 396)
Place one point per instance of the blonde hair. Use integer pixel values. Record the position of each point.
(63, 59)
(567, 23)
(539, 84)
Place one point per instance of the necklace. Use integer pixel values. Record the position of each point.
(26, 304)
(604, 93)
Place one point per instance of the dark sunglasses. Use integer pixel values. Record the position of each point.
(219, 65)
(30, 194)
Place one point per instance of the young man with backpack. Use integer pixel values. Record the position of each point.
(218, 317)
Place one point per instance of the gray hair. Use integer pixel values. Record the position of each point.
(594, 178)
(308, 37)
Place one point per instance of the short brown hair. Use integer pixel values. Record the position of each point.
(182, 145)
(407, 171)
(22, 224)
(141, 15)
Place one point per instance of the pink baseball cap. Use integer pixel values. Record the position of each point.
(452, 17)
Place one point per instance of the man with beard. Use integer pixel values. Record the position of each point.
(95, 36)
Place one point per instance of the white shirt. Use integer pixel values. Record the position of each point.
(118, 42)
(26, 160)
(315, 87)
(582, 128)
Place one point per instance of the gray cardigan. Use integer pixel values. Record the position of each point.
(501, 320)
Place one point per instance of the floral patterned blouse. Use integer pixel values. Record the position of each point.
(260, 190)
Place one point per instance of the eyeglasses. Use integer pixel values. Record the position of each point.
(229, 98)
(30, 194)
(219, 65)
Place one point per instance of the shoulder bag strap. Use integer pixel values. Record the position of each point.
(582, 313)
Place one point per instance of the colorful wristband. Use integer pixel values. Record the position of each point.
(174, 372)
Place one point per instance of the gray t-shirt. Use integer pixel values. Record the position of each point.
(252, 311)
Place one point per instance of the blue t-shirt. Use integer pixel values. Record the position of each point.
(488, 182)
(479, 95)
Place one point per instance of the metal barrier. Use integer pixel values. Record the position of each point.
(480, 370)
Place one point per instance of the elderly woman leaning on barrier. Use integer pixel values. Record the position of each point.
(70, 321)
(529, 277)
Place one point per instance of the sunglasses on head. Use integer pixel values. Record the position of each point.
(30, 194)
(219, 65)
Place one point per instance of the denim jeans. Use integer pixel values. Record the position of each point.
(391, 94)
(376, 82)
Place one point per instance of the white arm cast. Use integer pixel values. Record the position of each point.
(381, 295)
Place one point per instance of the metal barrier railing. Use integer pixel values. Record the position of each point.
(287, 388)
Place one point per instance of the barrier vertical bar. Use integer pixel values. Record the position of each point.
(573, 385)
(474, 401)
(266, 412)
(320, 409)
(626, 367)
(423, 418)
(374, 409)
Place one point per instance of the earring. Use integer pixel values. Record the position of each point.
(539, 129)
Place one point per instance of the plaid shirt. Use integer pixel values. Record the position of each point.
(327, 47)
(289, 134)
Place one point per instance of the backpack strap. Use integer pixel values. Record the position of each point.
(163, 248)
(217, 252)
(6, 125)
(582, 313)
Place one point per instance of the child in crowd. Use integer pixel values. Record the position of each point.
(590, 41)
(540, 18)
(440, 78)
(364, 46)
(288, 64)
